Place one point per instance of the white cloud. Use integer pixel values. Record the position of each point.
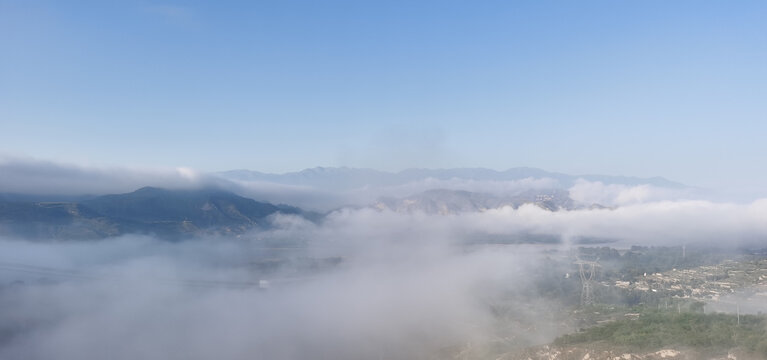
(658, 223)
(30, 176)
(596, 192)
(402, 288)
(138, 307)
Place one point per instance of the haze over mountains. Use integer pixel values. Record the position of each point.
(235, 202)
(442, 201)
(449, 255)
(324, 188)
(344, 178)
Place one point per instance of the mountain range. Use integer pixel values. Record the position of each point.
(228, 208)
(442, 201)
(166, 213)
(344, 178)
(327, 188)
(176, 214)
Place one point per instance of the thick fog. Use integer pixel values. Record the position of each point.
(399, 291)
(649, 223)
(361, 283)
(398, 285)
(655, 223)
(596, 192)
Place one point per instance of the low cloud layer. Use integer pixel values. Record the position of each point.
(361, 283)
(403, 285)
(324, 200)
(596, 192)
(651, 223)
(655, 223)
(40, 177)
(136, 297)
(30, 176)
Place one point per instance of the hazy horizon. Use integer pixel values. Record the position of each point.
(646, 89)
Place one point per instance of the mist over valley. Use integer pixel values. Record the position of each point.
(383, 180)
(467, 266)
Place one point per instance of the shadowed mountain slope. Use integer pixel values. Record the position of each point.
(167, 213)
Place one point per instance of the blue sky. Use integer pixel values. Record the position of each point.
(644, 88)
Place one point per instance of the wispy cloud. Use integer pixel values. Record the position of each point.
(597, 192)
(32, 176)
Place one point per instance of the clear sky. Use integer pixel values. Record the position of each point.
(644, 88)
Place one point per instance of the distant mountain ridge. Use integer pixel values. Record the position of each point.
(443, 201)
(162, 212)
(339, 178)
(212, 210)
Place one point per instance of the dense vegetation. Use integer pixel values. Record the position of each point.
(655, 329)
